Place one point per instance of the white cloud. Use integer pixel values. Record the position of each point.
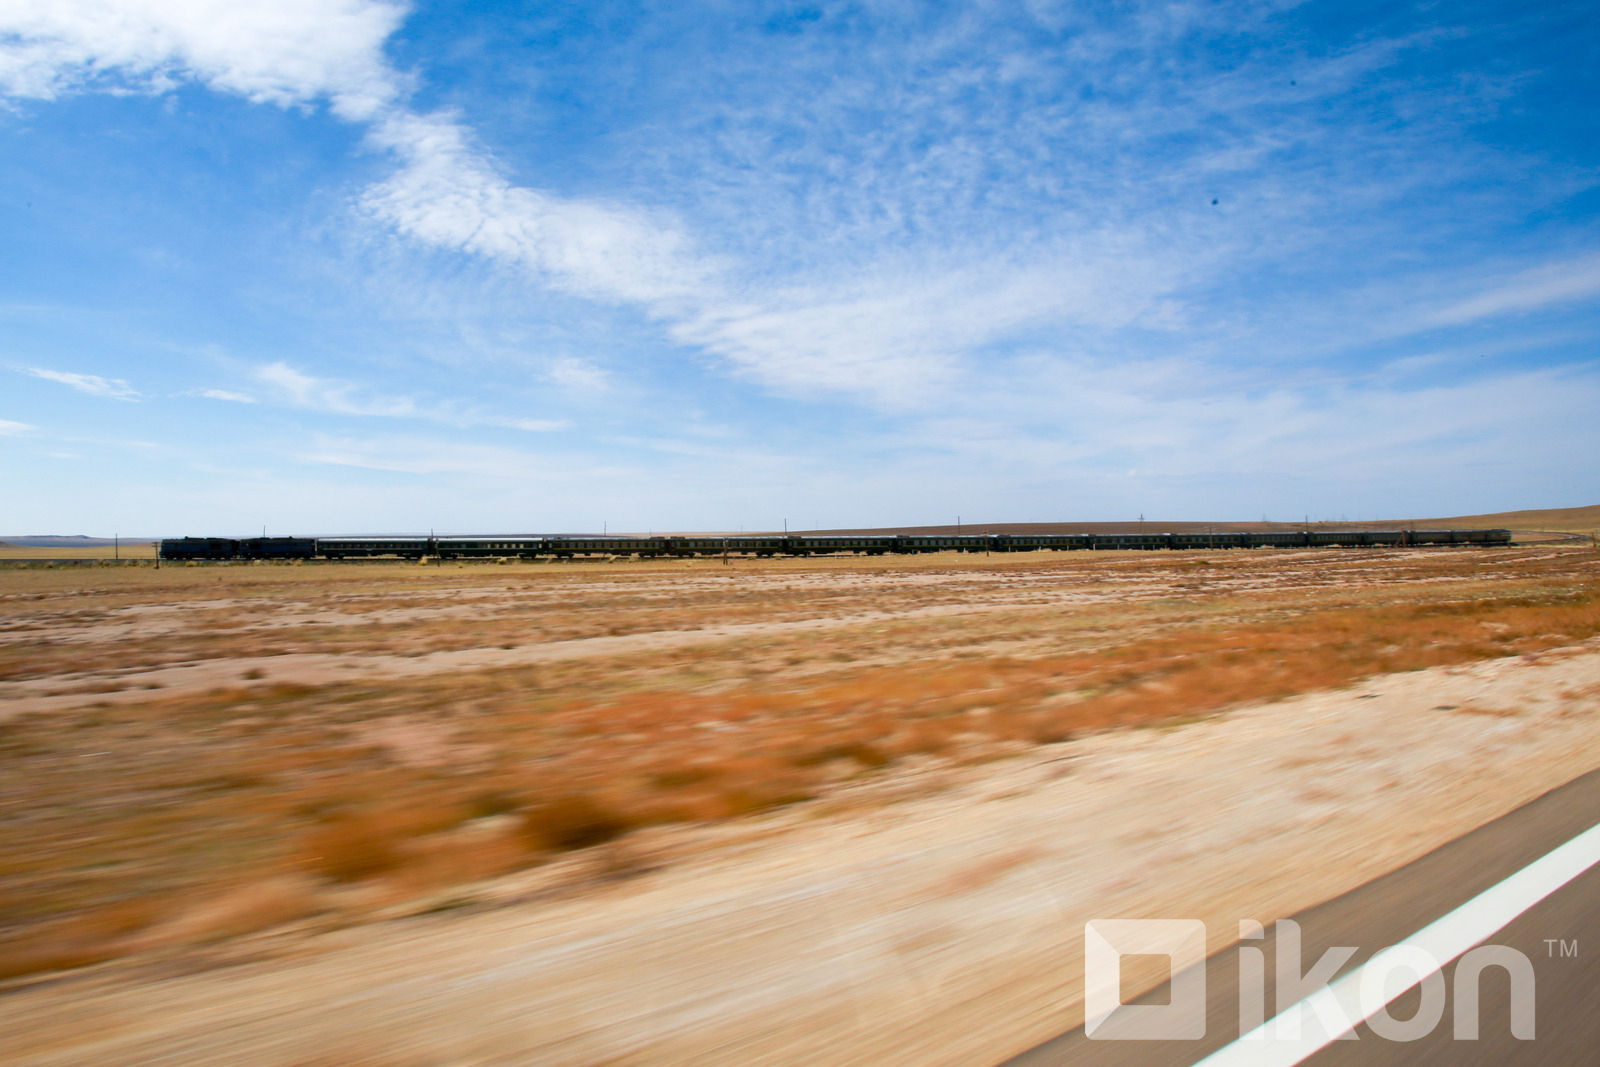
(537, 425)
(224, 394)
(12, 429)
(448, 193)
(287, 52)
(334, 397)
(573, 373)
(1094, 417)
(891, 340)
(1554, 283)
(421, 456)
(905, 339)
(721, 454)
(93, 384)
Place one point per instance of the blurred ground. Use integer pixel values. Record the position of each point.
(789, 811)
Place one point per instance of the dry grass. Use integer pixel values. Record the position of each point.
(127, 822)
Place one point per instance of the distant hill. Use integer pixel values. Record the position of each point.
(74, 541)
(1572, 520)
(1581, 520)
(1569, 520)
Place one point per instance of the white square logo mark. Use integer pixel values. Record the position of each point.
(1106, 1017)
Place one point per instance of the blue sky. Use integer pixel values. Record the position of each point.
(354, 265)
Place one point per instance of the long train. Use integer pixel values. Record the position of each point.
(567, 547)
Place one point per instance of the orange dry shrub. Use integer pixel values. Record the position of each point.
(354, 844)
(860, 751)
(77, 940)
(574, 820)
(870, 718)
(465, 855)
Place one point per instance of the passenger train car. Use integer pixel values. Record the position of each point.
(566, 547)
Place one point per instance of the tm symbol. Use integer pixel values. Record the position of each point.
(1566, 949)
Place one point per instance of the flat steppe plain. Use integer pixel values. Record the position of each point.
(777, 811)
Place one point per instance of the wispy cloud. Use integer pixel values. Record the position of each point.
(336, 397)
(572, 373)
(1563, 282)
(535, 425)
(422, 456)
(93, 384)
(332, 396)
(903, 340)
(449, 193)
(227, 395)
(13, 429)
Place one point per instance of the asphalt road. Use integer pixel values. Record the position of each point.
(1385, 912)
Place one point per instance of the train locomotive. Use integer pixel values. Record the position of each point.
(764, 545)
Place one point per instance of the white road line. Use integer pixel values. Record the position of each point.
(1443, 940)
